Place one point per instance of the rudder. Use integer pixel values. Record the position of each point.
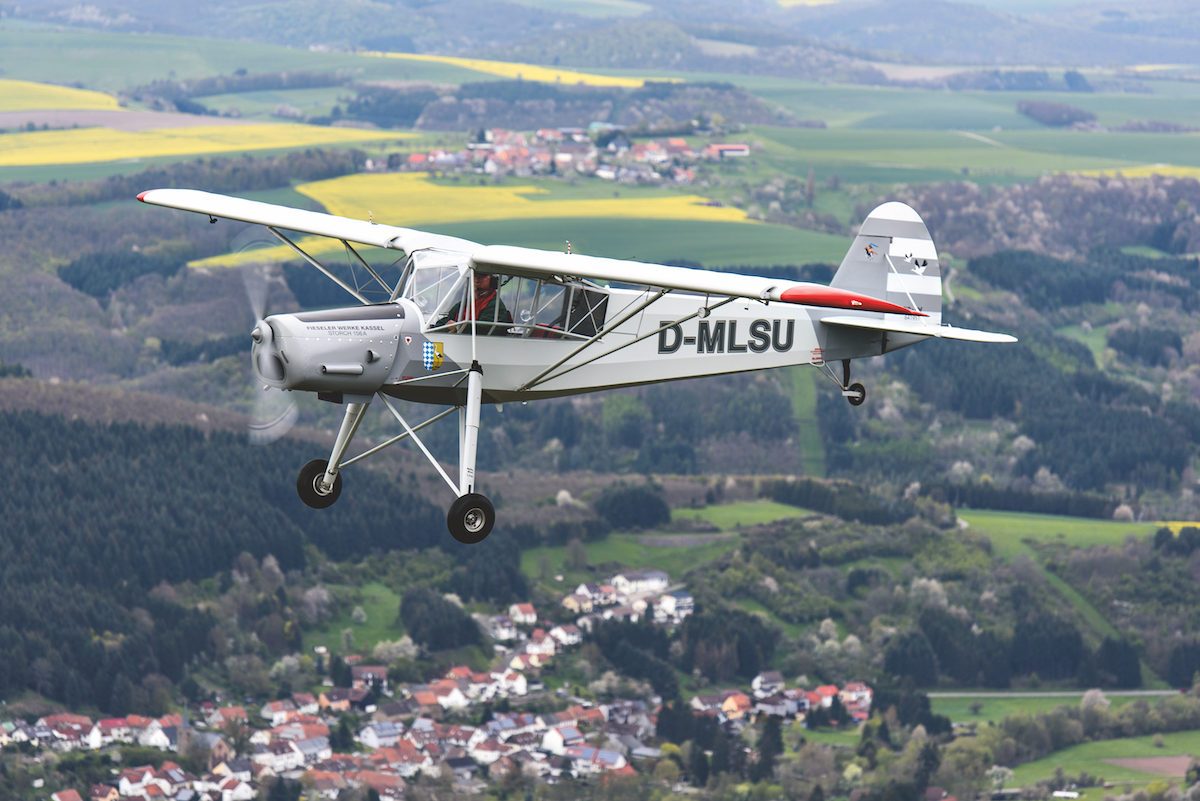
(894, 258)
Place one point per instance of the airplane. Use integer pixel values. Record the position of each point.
(567, 324)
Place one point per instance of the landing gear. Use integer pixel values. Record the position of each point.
(470, 518)
(855, 393)
(320, 481)
(308, 485)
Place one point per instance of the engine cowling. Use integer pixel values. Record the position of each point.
(348, 350)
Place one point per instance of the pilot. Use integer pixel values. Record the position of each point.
(489, 308)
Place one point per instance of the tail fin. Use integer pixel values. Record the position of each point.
(893, 258)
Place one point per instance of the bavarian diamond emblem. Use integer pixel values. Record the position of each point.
(432, 355)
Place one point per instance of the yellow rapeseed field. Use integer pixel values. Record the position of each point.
(29, 96)
(527, 72)
(84, 145)
(1147, 170)
(411, 201)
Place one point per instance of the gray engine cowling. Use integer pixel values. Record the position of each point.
(347, 350)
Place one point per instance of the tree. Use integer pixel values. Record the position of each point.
(770, 745)
(810, 187)
(910, 654)
(435, 622)
(576, 557)
(625, 506)
(698, 766)
(720, 757)
(237, 734)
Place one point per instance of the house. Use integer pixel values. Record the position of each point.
(336, 699)
(767, 683)
(211, 743)
(65, 795)
(315, 749)
(856, 693)
(132, 781)
(645, 579)
(305, 704)
(587, 760)
(103, 792)
(827, 692)
(775, 704)
(235, 769)
(225, 715)
(567, 635)
(703, 703)
(523, 614)
(280, 756)
(234, 790)
(449, 695)
(368, 677)
(557, 740)
(719, 152)
(736, 706)
(501, 627)
(541, 644)
(277, 712)
(577, 604)
(381, 735)
(674, 606)
(114, 730)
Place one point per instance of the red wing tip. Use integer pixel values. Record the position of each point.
(142, 196)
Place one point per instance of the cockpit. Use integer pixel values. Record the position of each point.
(439, 283)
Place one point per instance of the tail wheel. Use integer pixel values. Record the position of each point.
(859, 396)
(308, 485)
(471, 518)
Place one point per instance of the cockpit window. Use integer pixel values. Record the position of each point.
(434, 283)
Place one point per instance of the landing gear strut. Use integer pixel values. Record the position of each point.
(320, 481)
(471, 516)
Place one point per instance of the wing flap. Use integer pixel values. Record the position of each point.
(920, 329)
(308, 222)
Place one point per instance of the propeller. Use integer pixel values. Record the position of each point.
(274, 411)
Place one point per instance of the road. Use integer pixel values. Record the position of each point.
(1051, 694)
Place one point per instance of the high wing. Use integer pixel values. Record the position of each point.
(543, 263)
(533, 263)
(309, 222)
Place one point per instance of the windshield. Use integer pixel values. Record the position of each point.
(435, 282)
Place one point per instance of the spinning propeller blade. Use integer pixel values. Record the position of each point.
(274, 412)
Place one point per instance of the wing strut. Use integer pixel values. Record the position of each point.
(537, 379)
(702, 311)
(318, 265)
(367, 267)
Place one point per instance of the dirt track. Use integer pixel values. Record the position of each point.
(1159, 766)
(117, 120)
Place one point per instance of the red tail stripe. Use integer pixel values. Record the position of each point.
(829, 297)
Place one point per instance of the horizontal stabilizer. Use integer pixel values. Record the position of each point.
(920, 329)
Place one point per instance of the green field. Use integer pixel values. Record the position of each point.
(995, 709)
(1007, 529)
(711, 244)
(261, 105)
(383, 609)
(628, 550)
(741, 513)
(1094, 339)
(804, 404)
(1089, 757)
(1139, 148)
(111, 61)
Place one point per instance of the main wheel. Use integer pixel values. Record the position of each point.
(857, 400)
(309, 481)
(471, 518)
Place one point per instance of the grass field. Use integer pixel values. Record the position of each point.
(261, 105)
(1094, 339)
(804, 404)
(995, 709)
(1089, 757)
(85, 145)
(27, 96)
(740, 513)
(382, 607)
(111, 61)
(1007, 529)
(628, 550)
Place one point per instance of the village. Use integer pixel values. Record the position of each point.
(465, 727)
(604, 154)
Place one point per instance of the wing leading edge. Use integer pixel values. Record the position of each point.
(904, 327)
(309, 222)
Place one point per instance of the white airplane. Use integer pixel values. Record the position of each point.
(467, 324)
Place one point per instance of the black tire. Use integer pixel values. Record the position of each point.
(471, 518)
(857, 400)
(306, 485)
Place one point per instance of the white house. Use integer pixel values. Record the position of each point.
(645, 579)
(674, 606)
(567, 635)
(767, 683)
(523, 614)
(315, 749)
(384, 734)
(279, 756)
(558, 740)
(278, 712)
(502, 628)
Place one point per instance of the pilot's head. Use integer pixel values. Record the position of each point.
(486, 282)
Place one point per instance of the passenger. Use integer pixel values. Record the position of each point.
(489, 308)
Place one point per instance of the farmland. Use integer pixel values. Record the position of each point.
(27, 96)
(1090, 757)
(516, 71)
(85, 145)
